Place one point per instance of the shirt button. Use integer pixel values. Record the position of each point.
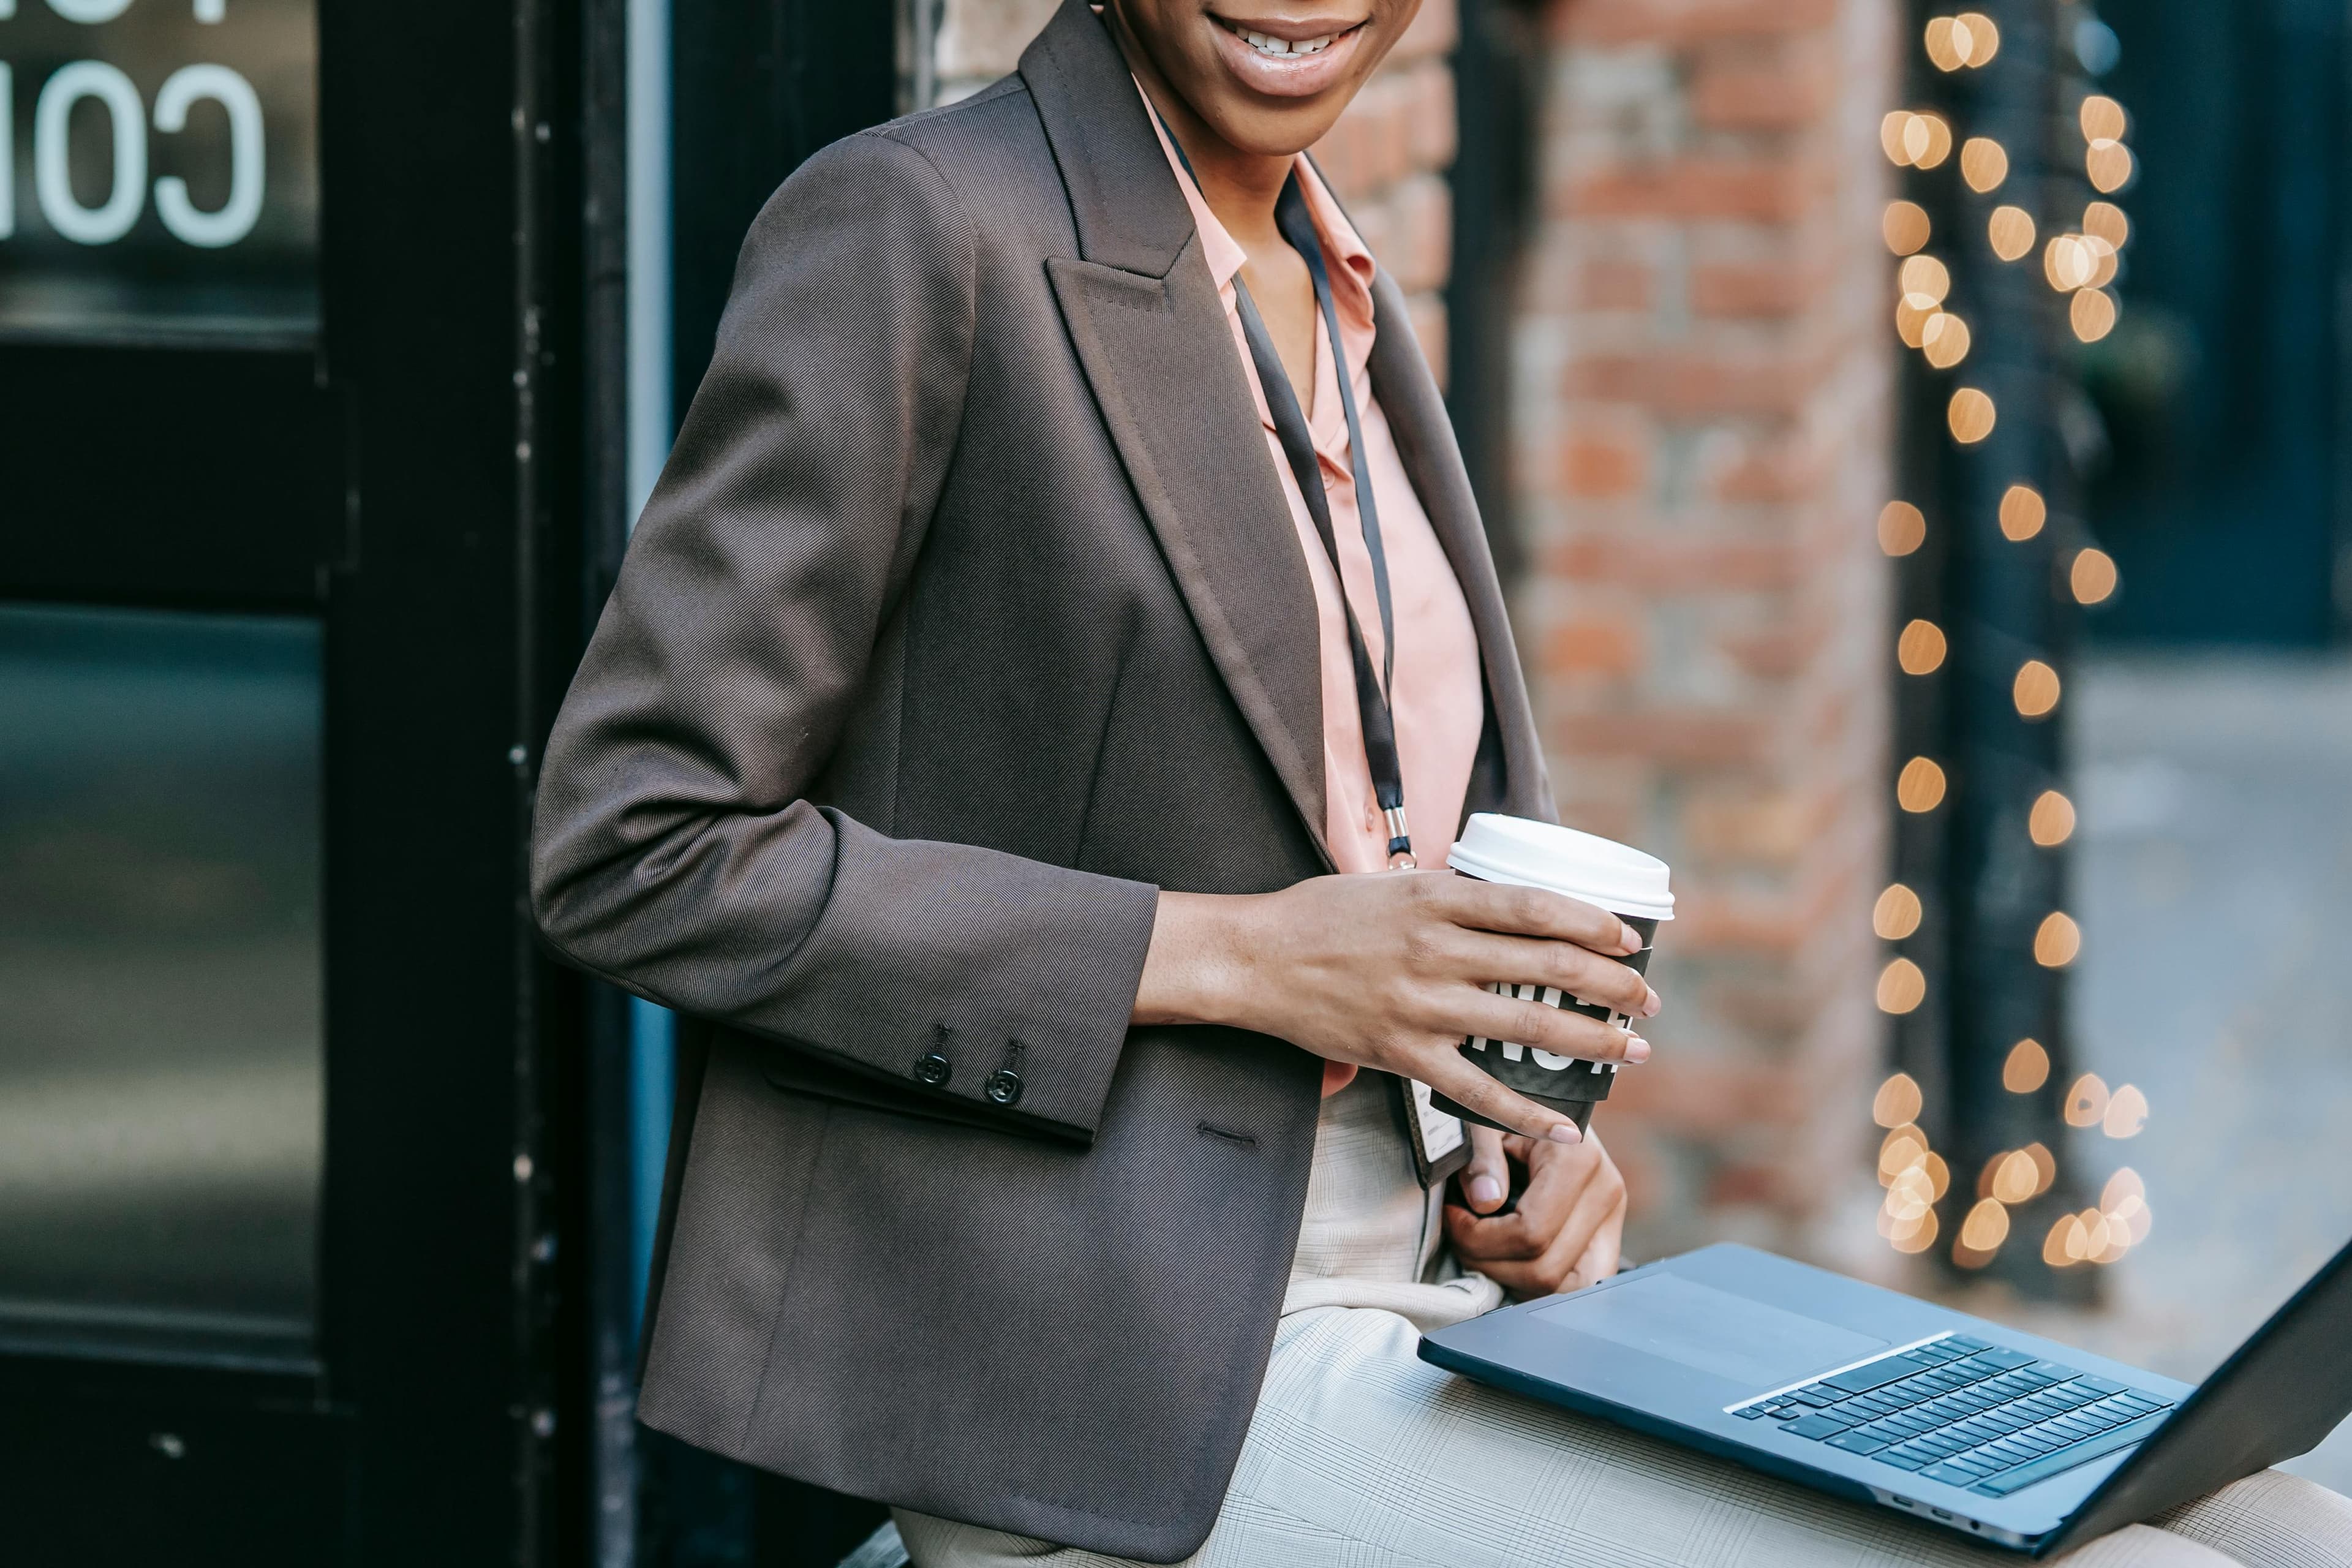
(1003, 1086)
(934, 1069)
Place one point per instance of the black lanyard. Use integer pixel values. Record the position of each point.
(1373, 692)
(1374, 714)
(1377, 719)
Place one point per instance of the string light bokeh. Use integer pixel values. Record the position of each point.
(1980, 211)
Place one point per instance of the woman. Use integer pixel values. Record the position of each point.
(1064, 607)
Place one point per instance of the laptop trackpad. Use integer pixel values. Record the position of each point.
(1710, 1330)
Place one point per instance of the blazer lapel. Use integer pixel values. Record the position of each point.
(1153, 335)
(1425, 439)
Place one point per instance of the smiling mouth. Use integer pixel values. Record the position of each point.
(1276, 48)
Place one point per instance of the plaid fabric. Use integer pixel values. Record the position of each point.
(1371, 1236)
(2271, 1519)
(1360, 1456)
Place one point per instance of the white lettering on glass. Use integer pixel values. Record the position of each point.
(1550, 1062)
(236, 218)
(89, 12)
(52, 166)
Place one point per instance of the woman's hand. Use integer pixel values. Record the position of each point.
(1390, 971)
(1565, 1231)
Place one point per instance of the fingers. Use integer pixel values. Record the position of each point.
(1592, 1227)
(1532, 911)
(1556, 1179)
(1602, 1255)
(1445, 1071)
(1562, 966)
(1565, 1234)
(1485, 1016)
(1487, 1180)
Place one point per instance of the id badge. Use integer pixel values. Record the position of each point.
(1441, 1145)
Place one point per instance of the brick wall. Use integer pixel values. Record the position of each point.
(1386, 157)
(1703, 424)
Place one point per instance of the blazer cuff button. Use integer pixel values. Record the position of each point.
(934, 1069)
(1003, 1086)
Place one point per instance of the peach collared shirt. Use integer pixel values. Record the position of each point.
(1437, 698)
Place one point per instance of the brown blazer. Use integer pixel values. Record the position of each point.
(967, 615)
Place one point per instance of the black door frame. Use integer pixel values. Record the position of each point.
(401, 484)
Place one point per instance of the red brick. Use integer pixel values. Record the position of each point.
(1720, 922)
(1748, 820)
(1773, 653)
(1593, 645)
(1673, 563)
(1685, 384)
(1420, 246)
(1761, 189)
(1783, 86)
(1600, 463)
(1769, 1001)
(1775, 466)
(1705, 1096)
(1779, 285)
(1401, 123)
(1371, 145)
(1704, 737)
(1744, 1183)
(1432, 126)
(1613, 22)
(1746, 746)
(1615, 285)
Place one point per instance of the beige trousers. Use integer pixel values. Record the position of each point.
(1361, 1456)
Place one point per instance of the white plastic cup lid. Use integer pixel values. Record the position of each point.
(1527, 854)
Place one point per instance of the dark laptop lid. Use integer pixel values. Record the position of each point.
(2280, 1395)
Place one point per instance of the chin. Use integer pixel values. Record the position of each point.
(1272, 136)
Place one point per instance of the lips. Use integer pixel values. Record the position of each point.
(1284, 59)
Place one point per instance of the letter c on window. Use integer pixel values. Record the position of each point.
(236, 218)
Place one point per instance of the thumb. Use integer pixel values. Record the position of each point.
(1488, 1178)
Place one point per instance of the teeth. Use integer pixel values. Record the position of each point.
(1283, 49)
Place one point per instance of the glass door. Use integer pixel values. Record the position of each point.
(287, 419)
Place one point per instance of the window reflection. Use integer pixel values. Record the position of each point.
(160, 981)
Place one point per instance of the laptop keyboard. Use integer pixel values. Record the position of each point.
(1966, 1412)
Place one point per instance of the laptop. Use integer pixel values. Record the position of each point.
(1867, 1395)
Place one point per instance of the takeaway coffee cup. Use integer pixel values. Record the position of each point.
(1627, 883)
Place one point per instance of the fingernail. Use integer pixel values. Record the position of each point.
(1566, 1132)
(1631, 941)
(1649, 1009)
(1637, 1049)
(1486, 1190)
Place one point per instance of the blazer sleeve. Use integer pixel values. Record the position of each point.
(673, 850)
